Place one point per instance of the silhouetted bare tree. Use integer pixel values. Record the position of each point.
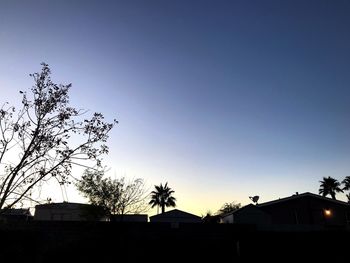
(229, 207)
(162, 197)
(329, 186)
(116, 196)
(45, 138)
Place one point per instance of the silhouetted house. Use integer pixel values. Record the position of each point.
(16, 214)
(308, 209)
(69, 212)
(300, 209)
(176, 216)
(211, 219)
(129, 218)
(249, 214)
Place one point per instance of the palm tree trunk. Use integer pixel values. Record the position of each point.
(163, 208)
(333, 196)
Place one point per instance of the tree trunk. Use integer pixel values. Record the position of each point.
(163, 208)
(333, 196)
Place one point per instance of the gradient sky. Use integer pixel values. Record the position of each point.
(221, 99)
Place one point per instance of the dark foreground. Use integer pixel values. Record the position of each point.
(136, 242)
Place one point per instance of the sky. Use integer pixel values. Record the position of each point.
(221, 99)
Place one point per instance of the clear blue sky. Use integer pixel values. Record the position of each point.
(222, 99)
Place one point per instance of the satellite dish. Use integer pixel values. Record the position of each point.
(254, 198)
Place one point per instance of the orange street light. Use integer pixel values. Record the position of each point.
(327, 212)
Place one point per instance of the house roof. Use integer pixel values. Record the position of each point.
(250, 206)
(62, 205)
(285, 199)
(298, 196)
(176, 213)
(17, 212)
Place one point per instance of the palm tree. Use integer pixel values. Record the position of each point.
(348, 196)
(329, 186)
(346, 183)
(155, 200)
(162, 197)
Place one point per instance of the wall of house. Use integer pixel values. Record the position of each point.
(228, 219)
(169, 219)
(58, 214)
(129, 218)
(308, 210)
(67, 212)
(252, 217)
(248, 215)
